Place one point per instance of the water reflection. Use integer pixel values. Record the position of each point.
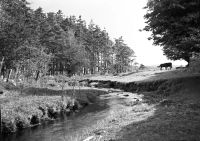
(65, 126)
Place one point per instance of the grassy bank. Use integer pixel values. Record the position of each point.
(161, 85)
(36, 105)
(27, 111)
(177, 114)
(172, 106)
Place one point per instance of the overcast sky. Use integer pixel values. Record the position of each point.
(118, 17)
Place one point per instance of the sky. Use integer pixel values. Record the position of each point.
(119, 18)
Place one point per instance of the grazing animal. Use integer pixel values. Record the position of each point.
(166, 65)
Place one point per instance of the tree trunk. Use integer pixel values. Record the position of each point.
(37, 75)
(53, 69)
(16, 73)
(98, 60)
(91, 70)
(1, 64)
(8, 75)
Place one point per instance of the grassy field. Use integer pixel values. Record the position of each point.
(152, 74)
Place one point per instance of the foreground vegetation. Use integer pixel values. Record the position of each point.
(27, 111)
(35, 105)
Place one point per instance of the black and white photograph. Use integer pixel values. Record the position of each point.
(99, 70)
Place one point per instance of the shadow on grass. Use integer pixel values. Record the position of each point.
(177, 116)
(46, 91)
(172, 74)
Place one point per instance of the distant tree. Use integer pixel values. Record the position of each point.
(123, 55)
(141, 66)
(175, 25)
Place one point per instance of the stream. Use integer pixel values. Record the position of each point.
(68, 126)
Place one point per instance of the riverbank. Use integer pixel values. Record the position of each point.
(150, 80)
(169, 110)
(36, 105)
(162, 109)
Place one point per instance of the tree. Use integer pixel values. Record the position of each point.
(33, 60)
(123, 55)
(14, 28)
(175, 25)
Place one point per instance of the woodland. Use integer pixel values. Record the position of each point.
(35, 44)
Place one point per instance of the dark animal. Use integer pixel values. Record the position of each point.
(166, 65)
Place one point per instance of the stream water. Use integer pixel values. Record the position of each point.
(62, 128)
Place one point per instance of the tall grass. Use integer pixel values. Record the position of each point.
(28, 105)
(31, 110)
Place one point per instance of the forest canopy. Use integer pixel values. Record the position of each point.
(33, 42)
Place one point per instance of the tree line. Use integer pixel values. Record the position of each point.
(35, 43)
